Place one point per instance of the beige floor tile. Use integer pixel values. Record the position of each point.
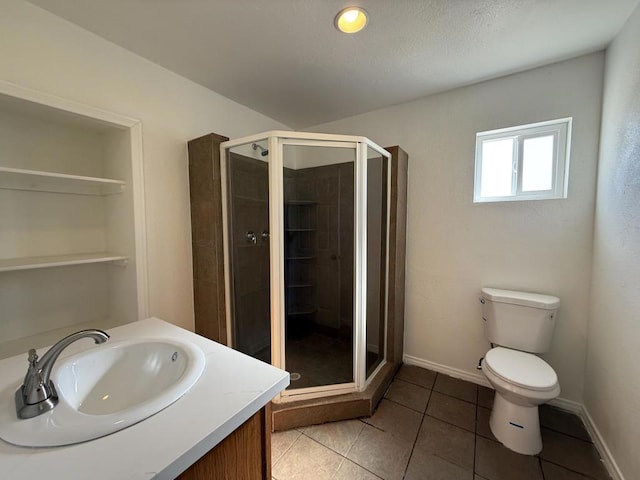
(562, 422)
(396, 419)
(338, 436)
(572, 453)
(482, 423)
(426, 466)
(455, 387)
(417, 375)
(409, 395)
(281, 442)
(485, 397)
(496, 462)
(555, 472)
(381, 453)
(452, 410)
(446, 441)
(350, 471)
(305, 460)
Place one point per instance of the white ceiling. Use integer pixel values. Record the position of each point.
(284, 58)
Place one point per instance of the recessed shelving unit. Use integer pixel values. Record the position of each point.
(71, 192)
(300, 269)
(52, 182)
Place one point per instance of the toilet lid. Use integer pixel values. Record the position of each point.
(523, 369)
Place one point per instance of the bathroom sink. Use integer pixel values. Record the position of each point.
(105, 389)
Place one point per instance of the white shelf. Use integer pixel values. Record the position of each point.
(28, 263)
(21, 345)
(39, 181)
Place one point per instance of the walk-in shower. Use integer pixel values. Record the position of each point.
(306, 244)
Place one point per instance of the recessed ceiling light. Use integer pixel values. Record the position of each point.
(351, 20)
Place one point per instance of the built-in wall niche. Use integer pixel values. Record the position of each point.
(72, 240)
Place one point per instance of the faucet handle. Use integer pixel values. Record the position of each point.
(33, 357)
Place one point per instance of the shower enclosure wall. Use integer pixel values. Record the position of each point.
(306, 221)
(298, 246)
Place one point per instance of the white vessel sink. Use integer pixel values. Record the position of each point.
(105, 389)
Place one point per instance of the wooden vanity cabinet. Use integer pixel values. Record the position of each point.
(244, 455)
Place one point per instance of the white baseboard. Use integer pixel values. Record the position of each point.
(561, 403)
(477, 378)
(607, 458)
(567, 405)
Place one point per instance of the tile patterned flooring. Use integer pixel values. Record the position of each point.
(433, 427)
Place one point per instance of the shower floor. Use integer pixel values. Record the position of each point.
(319, 358)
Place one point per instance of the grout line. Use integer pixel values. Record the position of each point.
(344, 457)
(323, 445)
(452, 396)
(286, 449)
(475, 434)
(590, 441)
(540, 465)
(413, 447)
(586, 475)
(374, 426)
(453, 424)
(354, 442)
(405, 406)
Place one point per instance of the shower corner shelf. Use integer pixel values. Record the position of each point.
(300, 203)
(304, 311)
(31, 263)
(52, 182)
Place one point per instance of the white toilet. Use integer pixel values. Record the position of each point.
(518, 324)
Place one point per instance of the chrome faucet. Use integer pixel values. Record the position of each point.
(37, 394)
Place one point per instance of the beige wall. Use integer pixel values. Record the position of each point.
(44, 52)
(612, 393)
(455, 247)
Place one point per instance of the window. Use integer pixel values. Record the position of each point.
(529, 162)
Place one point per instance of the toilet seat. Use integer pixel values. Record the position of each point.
(520, 368)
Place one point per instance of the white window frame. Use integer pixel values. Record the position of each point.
(561, 131)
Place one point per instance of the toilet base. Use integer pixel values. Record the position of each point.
(517, 427)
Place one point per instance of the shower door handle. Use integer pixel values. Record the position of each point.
(251, 237)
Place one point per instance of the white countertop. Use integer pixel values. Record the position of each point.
(232, 388)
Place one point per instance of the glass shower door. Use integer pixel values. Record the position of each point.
(377, 253)
(248, 237)
(318, 244)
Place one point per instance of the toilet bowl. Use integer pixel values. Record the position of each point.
(522, 382)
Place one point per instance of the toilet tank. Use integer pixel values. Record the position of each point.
(519, 320)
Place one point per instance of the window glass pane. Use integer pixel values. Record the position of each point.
(537, 164)
(497, 168)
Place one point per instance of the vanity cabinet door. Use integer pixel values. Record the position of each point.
(244, 455)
